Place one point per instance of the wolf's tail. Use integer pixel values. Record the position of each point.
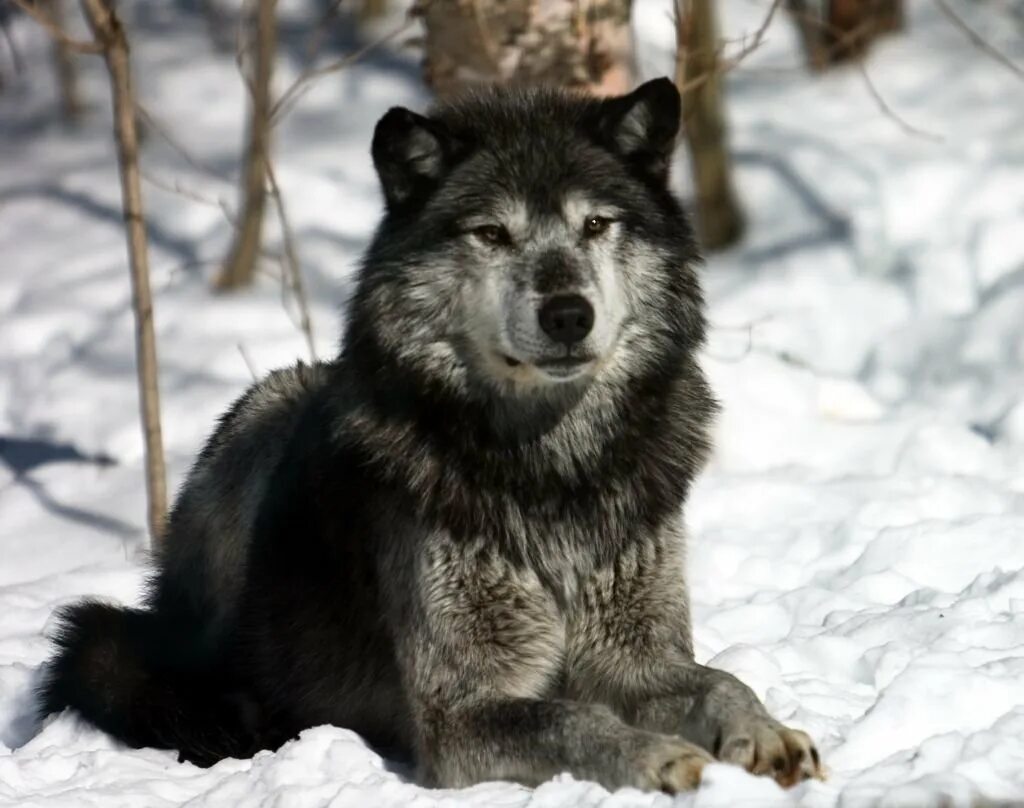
(141, 678)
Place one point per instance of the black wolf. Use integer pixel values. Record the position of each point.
(463, 538)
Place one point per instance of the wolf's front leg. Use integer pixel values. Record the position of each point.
(716, 710)
(482, 647)
(630, 647)
(532, 740)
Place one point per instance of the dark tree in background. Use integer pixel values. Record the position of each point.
(836, 31)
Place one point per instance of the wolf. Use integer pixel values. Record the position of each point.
(463, 538)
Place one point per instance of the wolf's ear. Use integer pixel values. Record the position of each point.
(411, 154)
(642, 126)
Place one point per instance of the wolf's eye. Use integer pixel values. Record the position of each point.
(595, 226)
(493, 234)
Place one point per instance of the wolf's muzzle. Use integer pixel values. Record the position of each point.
(566, 318)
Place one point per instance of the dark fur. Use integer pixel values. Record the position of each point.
(485, 578)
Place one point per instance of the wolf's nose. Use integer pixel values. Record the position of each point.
(566, 318)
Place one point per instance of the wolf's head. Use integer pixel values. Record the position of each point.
(530, 243)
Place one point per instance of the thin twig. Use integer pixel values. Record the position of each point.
(248, 360)
(288, 98)
(860, 63)
(165, 134)
(978, 40)
(759, 35)
(294, 269)
(844, 40)
(888, 111)
(219, 203)
(54, 30)
(179, 189)
(727, 65)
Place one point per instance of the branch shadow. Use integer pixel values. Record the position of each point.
(24, 455)
(158, 235)
(833, 226)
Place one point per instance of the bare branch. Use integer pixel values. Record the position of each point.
(300, 85)
(107, 29)
(726, 65)
(758, 37)
(54, 30)
(888, 111)
(860, 64)
(153, 123)
(177, 188)
(248, 360)
(978, 40)
(294, 269)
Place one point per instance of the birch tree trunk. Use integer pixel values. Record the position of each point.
(720, 220)
(239, 267)
(568, 43)
(109, 33)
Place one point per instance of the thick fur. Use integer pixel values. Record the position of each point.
(463, 538)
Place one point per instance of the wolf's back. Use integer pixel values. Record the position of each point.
(139, 677)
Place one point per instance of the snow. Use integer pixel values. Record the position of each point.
(857, 543)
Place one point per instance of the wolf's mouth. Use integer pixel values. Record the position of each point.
(566, 363)
(562, 365)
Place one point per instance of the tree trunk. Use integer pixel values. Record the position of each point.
(107, 30)
(840, 30)
(239, 268)
(561, 42)
(720, 220)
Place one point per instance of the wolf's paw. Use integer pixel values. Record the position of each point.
(671, 764)
(764, 746)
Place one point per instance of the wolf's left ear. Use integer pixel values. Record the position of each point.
(642, 126)
(411, 154)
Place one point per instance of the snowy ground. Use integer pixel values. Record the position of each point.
(858, 544)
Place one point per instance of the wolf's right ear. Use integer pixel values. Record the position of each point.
(411, 154)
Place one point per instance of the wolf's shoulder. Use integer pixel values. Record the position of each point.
(269, 404)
